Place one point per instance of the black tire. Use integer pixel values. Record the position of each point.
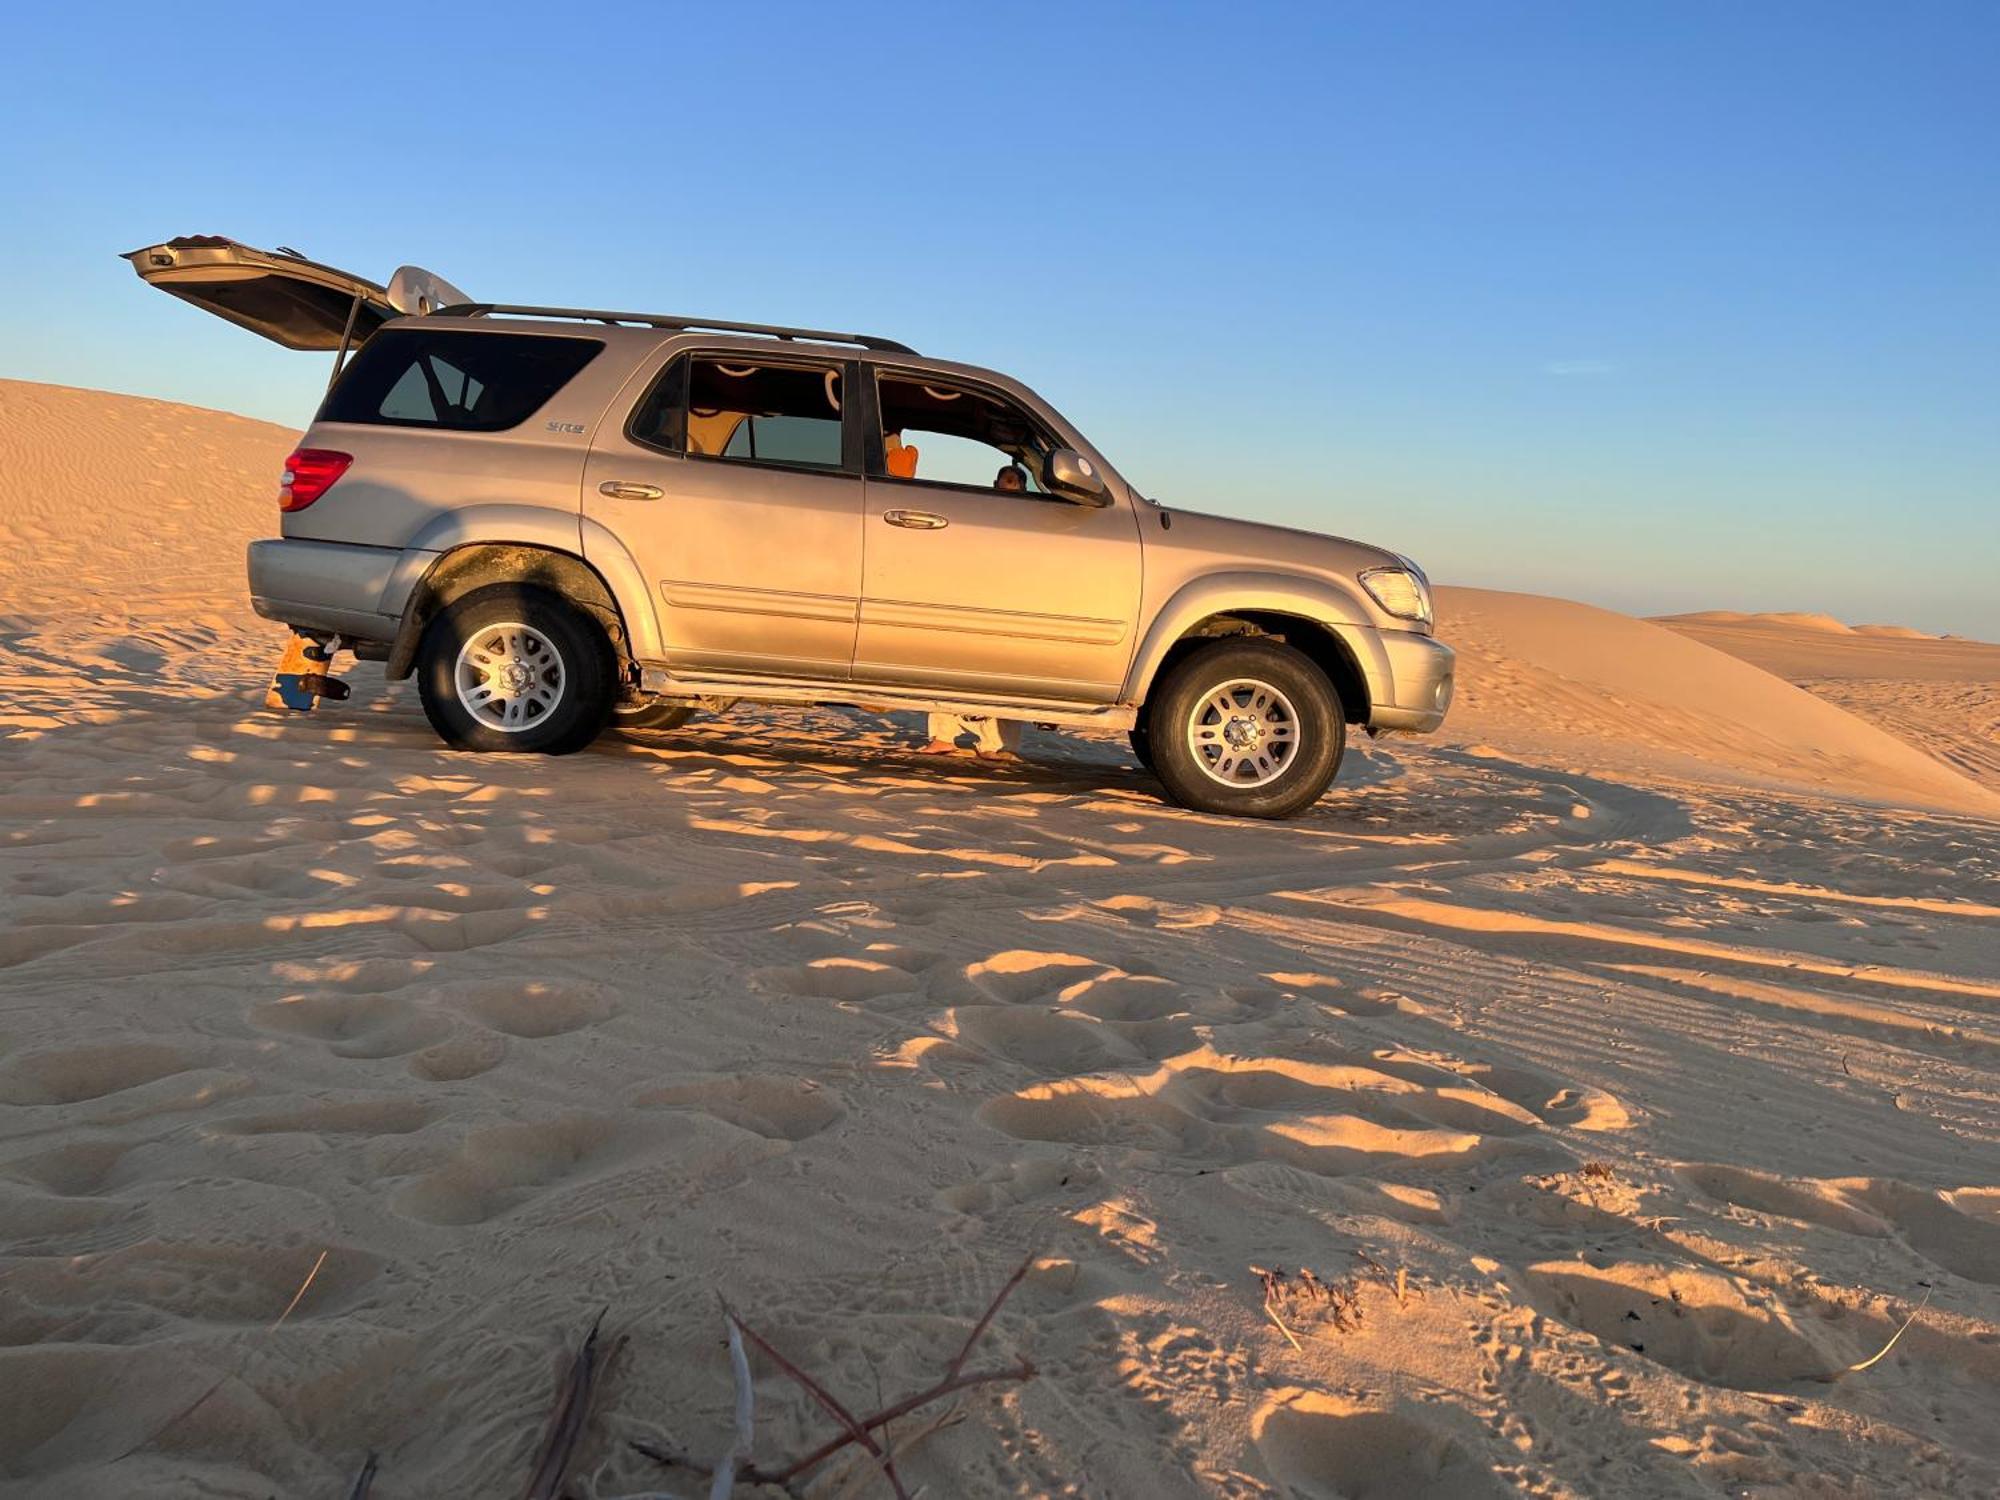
(652, 715)
(1142, 745)
(1301, 697)
(571, 673)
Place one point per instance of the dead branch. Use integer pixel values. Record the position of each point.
(855, 1431)
(746, 1410)
(986, 1317)
(572, 1411)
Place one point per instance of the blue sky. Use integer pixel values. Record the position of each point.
(1674, 306)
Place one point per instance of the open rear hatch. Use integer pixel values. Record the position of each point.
(283, 296)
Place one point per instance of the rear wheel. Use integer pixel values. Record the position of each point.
(1246, 727)
(513, 668)
(652, 715)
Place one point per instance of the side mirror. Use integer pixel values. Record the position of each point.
(1076, 478)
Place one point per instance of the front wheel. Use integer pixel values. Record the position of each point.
(514, 668)
(1245, 727)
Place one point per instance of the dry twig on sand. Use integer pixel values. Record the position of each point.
(1879, 1354)
(855, 1431)
(1336, 1302)
(188, 1410)
(572, 1411)
(365, 1480)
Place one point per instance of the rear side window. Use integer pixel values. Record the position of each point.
(748, 410)
(464, 382)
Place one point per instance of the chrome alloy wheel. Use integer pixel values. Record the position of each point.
(508, 677)
(1243, 733)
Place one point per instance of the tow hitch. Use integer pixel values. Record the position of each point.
(301, 679)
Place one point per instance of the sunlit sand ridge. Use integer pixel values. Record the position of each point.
(1622, 1065)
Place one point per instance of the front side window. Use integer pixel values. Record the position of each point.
(750, 411)
(937, 432)
(461, 381)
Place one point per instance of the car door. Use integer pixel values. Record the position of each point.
(971, 588)
(735, 486)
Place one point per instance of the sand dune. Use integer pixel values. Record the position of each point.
(1606, 686)
(1938, 693)
(1792, 620)
(1623, 1060)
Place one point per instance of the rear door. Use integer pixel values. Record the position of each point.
(281, 295)
(735, 484)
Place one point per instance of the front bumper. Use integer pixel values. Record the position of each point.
(326, 586)
(1415, 686)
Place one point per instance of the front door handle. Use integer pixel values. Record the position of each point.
(618, 489)
(916, 520)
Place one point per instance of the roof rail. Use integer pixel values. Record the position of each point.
(658, 320)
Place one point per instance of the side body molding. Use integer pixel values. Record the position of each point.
(1236, 592)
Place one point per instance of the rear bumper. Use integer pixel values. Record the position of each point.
(1416, 689)
(326, 586)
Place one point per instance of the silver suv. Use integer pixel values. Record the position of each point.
(560, 518)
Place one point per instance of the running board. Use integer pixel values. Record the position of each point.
(661, 683)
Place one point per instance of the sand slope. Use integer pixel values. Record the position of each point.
(1608, 687)
(130, 502)
(1941, 694)
(1625, 1087)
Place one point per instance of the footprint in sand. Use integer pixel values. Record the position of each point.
(1338, 997)
(501, 1166)
(1701, 1324)
(1322, 1444)
(351, 1024)
(531, 1008)
(74, 1075)
(42, 1226)
(1935, 1224)
(464, 1054)
(388, 1115)
(849, 981)
(777, 1108)
(1547, 1098)
(1019, 1182)
(77, 1170)
(1328, 1118)
(1042, 1040)
(1022, 974)
(578, 1171)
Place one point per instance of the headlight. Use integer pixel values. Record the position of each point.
(1404, 592)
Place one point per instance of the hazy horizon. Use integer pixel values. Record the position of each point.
(1662, 310)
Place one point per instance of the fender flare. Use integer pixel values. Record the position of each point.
(525, 528)
(1318, 600)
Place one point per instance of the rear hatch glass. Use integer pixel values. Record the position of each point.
(456, 380)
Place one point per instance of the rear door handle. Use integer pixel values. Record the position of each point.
(916, 520)
(618, 489)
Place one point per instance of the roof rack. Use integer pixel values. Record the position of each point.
(657, 320)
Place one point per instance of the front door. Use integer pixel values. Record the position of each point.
(976, 579)
(736, 486)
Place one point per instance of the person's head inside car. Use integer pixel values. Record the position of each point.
(1011, 480)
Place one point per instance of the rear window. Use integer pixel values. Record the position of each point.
(465, 382)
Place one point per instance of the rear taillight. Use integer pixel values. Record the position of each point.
(310, 473)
